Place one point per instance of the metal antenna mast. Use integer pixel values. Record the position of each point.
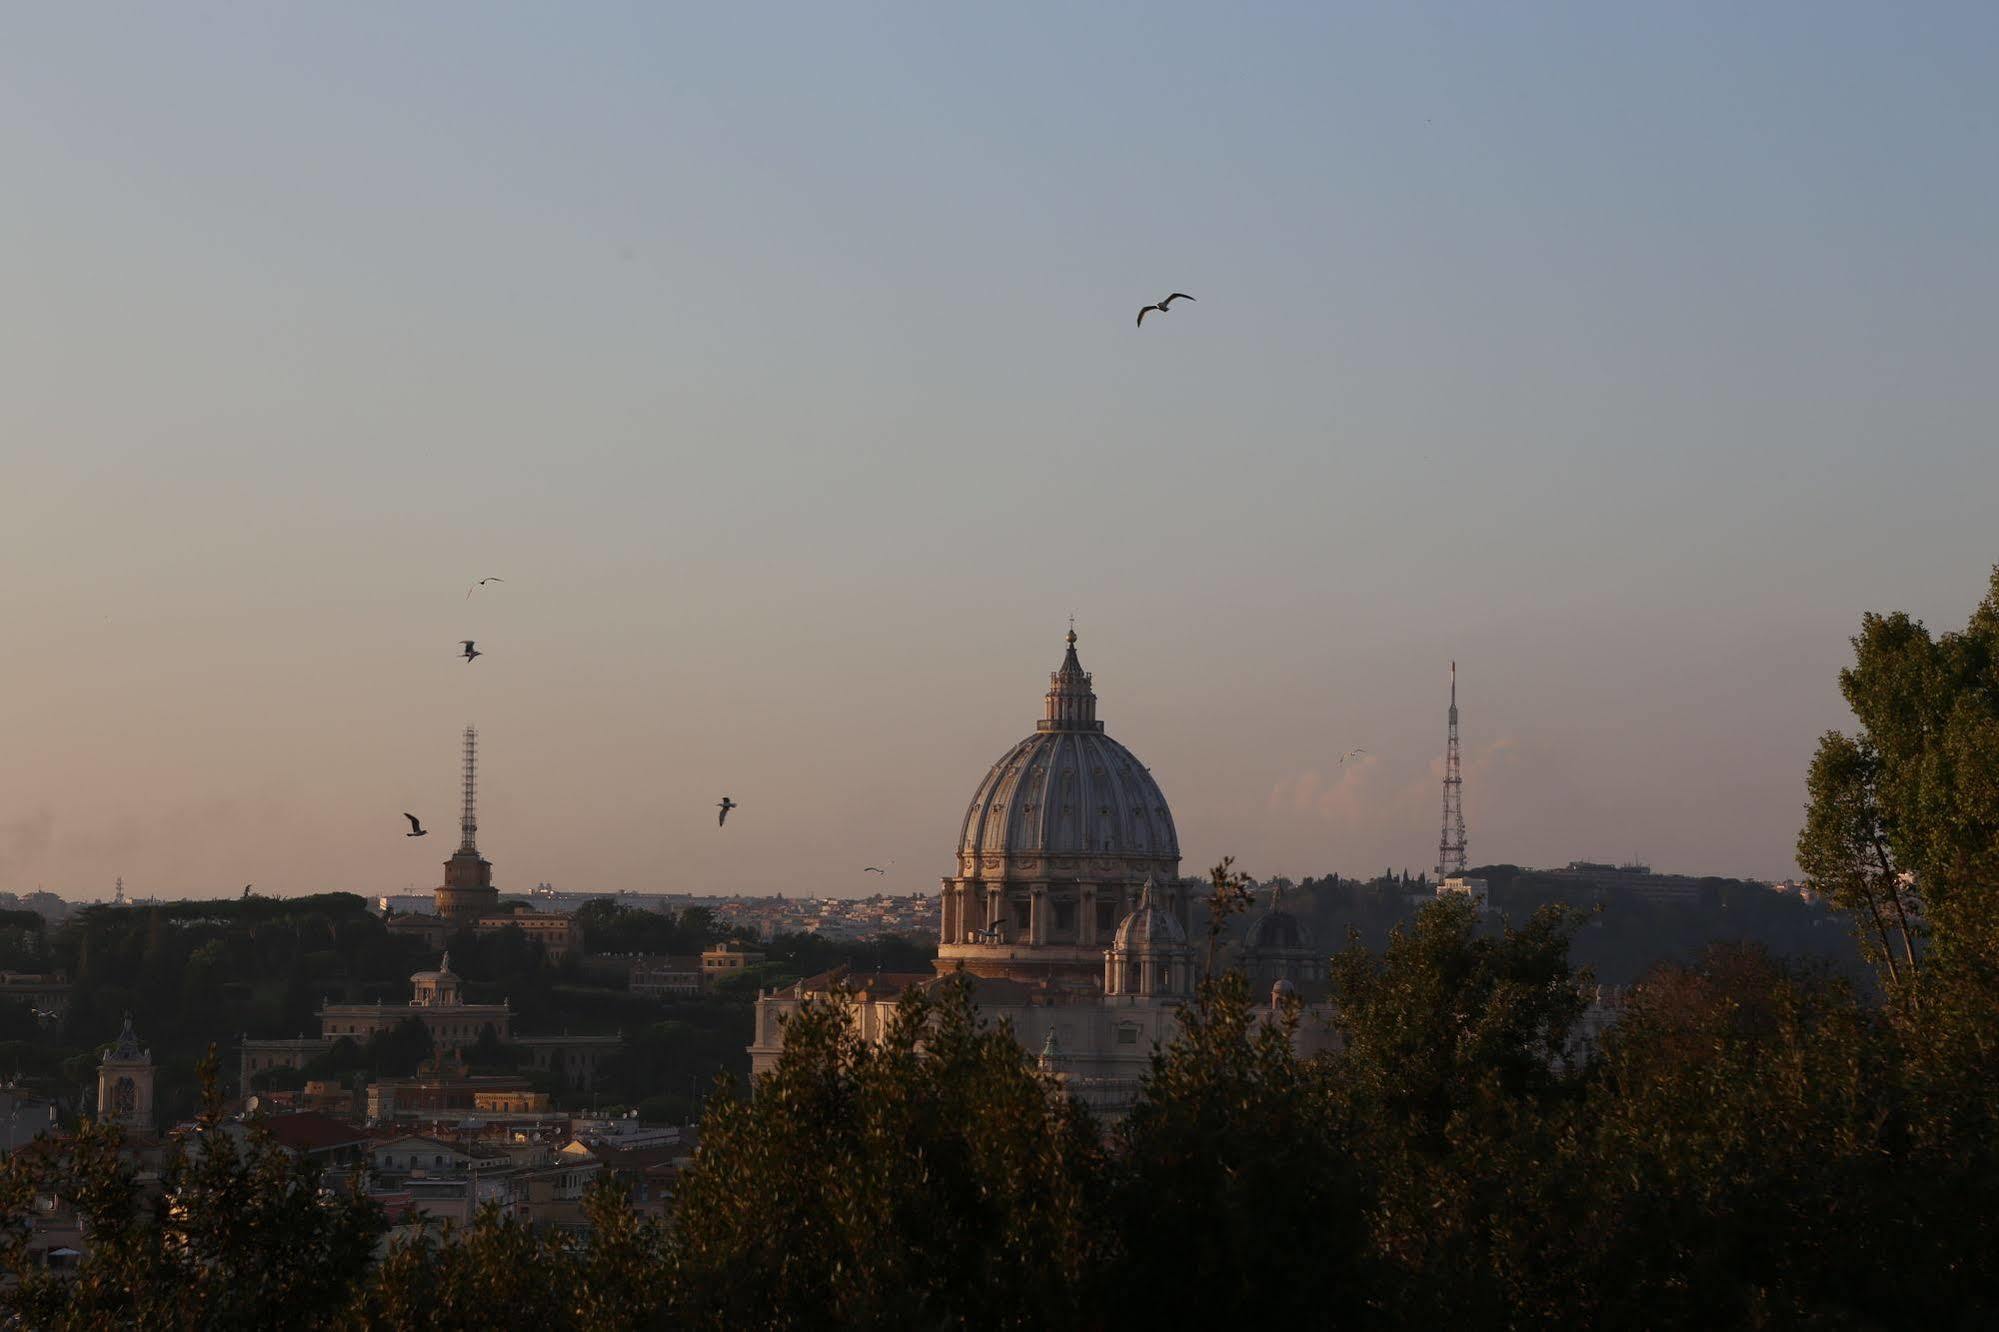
(469, 823)
(1451, 841)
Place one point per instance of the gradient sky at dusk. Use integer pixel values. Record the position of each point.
(782, 362)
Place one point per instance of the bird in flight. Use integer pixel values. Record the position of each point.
(470, 652)
(725, 806)
(1161, 307)
(1350, 753)
(870, 869)
(416, 829)
(481, 583)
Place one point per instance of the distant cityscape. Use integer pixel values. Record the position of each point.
(883, 915)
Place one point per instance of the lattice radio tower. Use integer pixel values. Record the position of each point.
(1451, 841)
(469, 823)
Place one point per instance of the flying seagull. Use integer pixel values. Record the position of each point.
(1161, 307)
(870, 869)
(481, 583)
(471, 652)
(416, 829)
(725, 806)
(1350, 753)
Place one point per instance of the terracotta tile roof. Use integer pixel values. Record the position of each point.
(309, 1132)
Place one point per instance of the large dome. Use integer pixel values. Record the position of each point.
(1068, 795)
(1054, 850)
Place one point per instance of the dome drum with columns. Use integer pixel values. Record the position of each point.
(1058, 841)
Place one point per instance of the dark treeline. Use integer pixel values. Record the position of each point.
(1754, 1145)
(1622, 937)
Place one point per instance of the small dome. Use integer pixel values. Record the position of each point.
(443, 972)
(1276, 929)
(1149, 926)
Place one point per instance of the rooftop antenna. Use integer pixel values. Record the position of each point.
(1451, 841)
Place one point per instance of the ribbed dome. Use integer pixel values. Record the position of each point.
(1277, 929)
(1068, 790)
(1148, 926)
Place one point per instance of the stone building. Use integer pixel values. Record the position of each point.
(726, 960)
(125, 1083)
(1067, 913)
(437, 1000)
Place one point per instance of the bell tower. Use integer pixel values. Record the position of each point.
(125, 1083)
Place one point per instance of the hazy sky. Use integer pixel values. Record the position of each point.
(782, 362)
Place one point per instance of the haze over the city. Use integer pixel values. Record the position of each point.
(783, 365)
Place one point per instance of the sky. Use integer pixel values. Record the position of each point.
(781, 361)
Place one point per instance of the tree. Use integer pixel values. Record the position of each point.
(1232, 1179)
(395, 1052)
(1916, 793)
(1444, 1010)
(927, 1179)
(240, 1234)
(1455, 1088)
(499, 1269)
(1750, 1160)
(1232, 893)
(1905, 814)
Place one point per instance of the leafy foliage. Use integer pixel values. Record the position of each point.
(501, 1271)
(1231, 1176)
(237, 1235)
(926, 1179)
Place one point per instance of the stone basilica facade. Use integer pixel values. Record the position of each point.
(1069, 914)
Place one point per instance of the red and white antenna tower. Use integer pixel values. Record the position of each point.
(1451, 841)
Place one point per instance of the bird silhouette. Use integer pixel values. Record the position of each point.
(1161, 307)
(471, 652)
(1350, 753)
(725, 806)
(416, 829)
(870, 869)
(481, 583)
